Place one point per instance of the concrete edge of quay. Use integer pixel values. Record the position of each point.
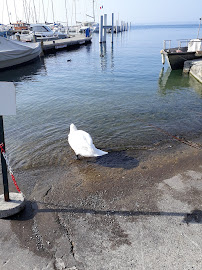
(194, 67)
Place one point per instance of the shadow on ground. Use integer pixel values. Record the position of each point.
(116, 160)
(32, 209)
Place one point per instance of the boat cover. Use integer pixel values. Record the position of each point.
(195, 45)
(13, 49)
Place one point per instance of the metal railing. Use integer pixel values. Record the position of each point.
(181, 43)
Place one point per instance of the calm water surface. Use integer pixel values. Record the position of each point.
(117, 93)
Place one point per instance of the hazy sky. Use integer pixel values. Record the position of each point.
(135, 11)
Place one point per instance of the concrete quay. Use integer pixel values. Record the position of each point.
(194, 67)
(59, 44)
(123, 211)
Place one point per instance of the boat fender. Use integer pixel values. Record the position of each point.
(162, 57)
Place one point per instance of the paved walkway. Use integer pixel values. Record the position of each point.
(87, 216)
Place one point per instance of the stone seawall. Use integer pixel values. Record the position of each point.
(194, 67)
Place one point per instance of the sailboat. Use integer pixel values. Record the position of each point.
(94, 27)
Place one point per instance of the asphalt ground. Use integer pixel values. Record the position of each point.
(126, 210)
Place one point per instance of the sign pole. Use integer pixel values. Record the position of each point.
(3, 163)
(10, 203)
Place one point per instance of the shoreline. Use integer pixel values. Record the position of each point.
(81, 216)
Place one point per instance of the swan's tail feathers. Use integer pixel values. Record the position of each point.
(99, 153)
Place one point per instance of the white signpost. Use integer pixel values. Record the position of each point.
(7, 107)
(10, 204)
(7, 98)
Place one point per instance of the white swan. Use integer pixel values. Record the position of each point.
(82, 143)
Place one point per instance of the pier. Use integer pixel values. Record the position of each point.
(104, 28)
(58, 44)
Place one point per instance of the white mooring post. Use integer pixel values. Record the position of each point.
(105, 28)
(101, 29)
(112, 27)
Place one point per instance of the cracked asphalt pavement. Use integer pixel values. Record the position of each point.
(121, 211)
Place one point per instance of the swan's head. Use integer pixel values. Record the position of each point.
(72, 128)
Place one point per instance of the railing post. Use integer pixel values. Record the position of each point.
(164, 44)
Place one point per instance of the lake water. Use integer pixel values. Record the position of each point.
(118, 94)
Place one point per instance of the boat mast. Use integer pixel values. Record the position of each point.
(94, 10)
(199, 27)
(75, 9)
(25, 11)
(35, 11)
(43, 12)
(15, 12)
(47, 11)
(66, 15)
(2, 12)
(8, 12)
(53, 12)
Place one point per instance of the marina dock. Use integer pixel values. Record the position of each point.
(54, 45)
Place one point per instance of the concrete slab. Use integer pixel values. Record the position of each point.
(65, 43)
(194, 67)
(89, 217)
(14, 206)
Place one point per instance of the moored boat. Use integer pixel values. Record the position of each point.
(13, 53)
(40, 32)
(94, 27)
(178, 55)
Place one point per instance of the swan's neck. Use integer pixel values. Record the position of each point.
(72, 128)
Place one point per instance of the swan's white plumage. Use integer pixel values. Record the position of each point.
(82, 143)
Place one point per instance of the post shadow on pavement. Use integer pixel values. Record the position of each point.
(116, 159)
(31, 209)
